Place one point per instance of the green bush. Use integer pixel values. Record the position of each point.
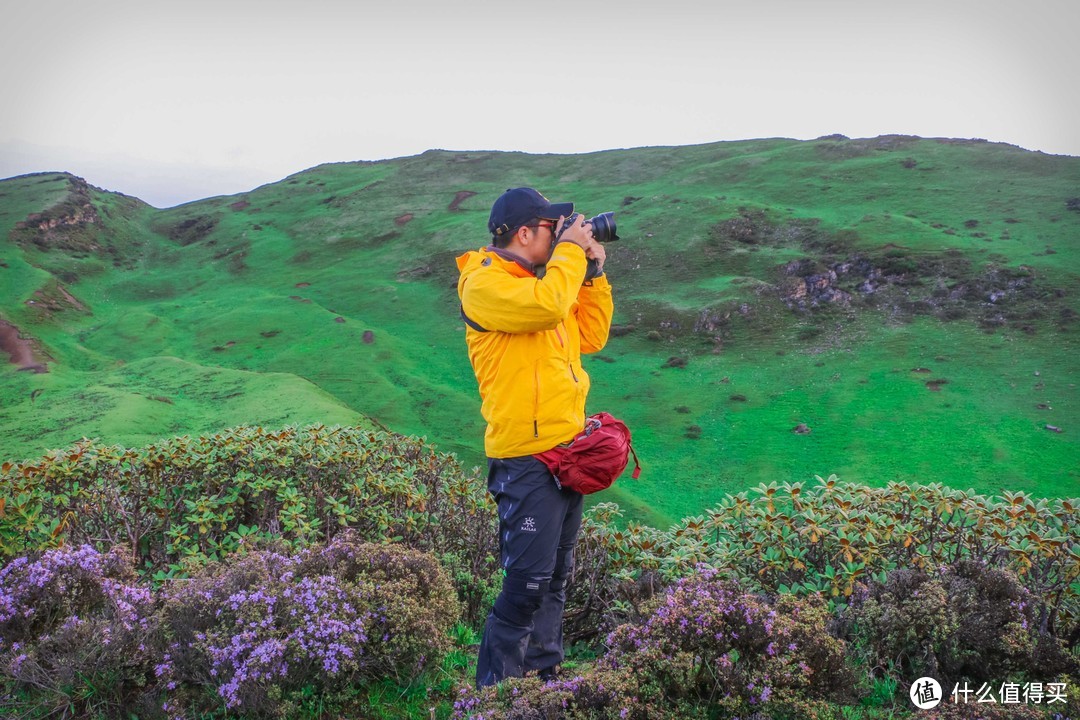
(966, 622)
(183, 502)
(832, 537)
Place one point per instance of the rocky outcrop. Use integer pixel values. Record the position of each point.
(809, 285)
(72, 224)
(942, 285)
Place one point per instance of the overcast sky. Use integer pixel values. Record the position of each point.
(176, 101)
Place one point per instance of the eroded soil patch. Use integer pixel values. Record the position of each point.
(21, 351)
(460, 197)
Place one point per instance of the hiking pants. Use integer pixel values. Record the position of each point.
(538, 528)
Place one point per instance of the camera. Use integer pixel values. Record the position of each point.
(603, 230)
(603, 226)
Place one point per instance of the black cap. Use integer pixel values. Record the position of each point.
(518, 206)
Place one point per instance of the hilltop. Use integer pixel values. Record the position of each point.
(886, 308)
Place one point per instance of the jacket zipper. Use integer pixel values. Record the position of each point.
(536, 400)
(568, 363)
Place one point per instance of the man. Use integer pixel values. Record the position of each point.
(532, 304)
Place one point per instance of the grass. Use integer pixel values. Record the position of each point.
(329, 296)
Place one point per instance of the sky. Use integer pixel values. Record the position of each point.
(177, 101)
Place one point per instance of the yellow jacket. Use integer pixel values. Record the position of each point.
(525, 337)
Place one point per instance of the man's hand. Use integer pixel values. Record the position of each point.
(580, 233)
(596, 251)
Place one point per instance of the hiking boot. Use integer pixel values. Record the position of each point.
(549, 674)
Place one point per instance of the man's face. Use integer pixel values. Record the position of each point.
(543, 233)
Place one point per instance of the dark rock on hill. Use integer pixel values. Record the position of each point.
(69, 225)
(190, 230)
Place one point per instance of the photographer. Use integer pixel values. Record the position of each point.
(533, 303)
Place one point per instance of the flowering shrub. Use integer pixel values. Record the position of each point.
(709, 641)
(607, 590)
(598, 694)
(184, 501)
(264, 628)
(830, 537)
(72, 630)
(706, 650)
(948, 710)
(963, 622)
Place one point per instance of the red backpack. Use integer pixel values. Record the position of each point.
(594, 458)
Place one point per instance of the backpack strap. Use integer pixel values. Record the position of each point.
(472, 323)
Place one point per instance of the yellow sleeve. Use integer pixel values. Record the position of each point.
(594, 311)
(499, 301)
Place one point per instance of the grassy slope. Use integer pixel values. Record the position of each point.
(254, 309)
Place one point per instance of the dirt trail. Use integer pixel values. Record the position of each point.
(19, 349)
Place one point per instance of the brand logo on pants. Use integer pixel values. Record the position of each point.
(529, 525)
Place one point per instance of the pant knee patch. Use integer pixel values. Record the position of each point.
(520, 599)
(525, 585)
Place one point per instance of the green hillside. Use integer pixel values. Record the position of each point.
(913, 303)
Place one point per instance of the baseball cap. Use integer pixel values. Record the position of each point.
(517, 206)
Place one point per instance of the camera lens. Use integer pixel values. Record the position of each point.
(603, 227)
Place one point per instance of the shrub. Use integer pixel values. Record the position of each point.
(597, 694)
(605, 592)
(799, 539)
(949, 710)
(709, 641)
(183, 502)
(965, 622)
(267, 628)
(706, 650)
(72, 630)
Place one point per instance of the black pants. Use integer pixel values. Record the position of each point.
(538, 528)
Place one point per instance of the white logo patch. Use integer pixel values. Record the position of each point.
(529, 525)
